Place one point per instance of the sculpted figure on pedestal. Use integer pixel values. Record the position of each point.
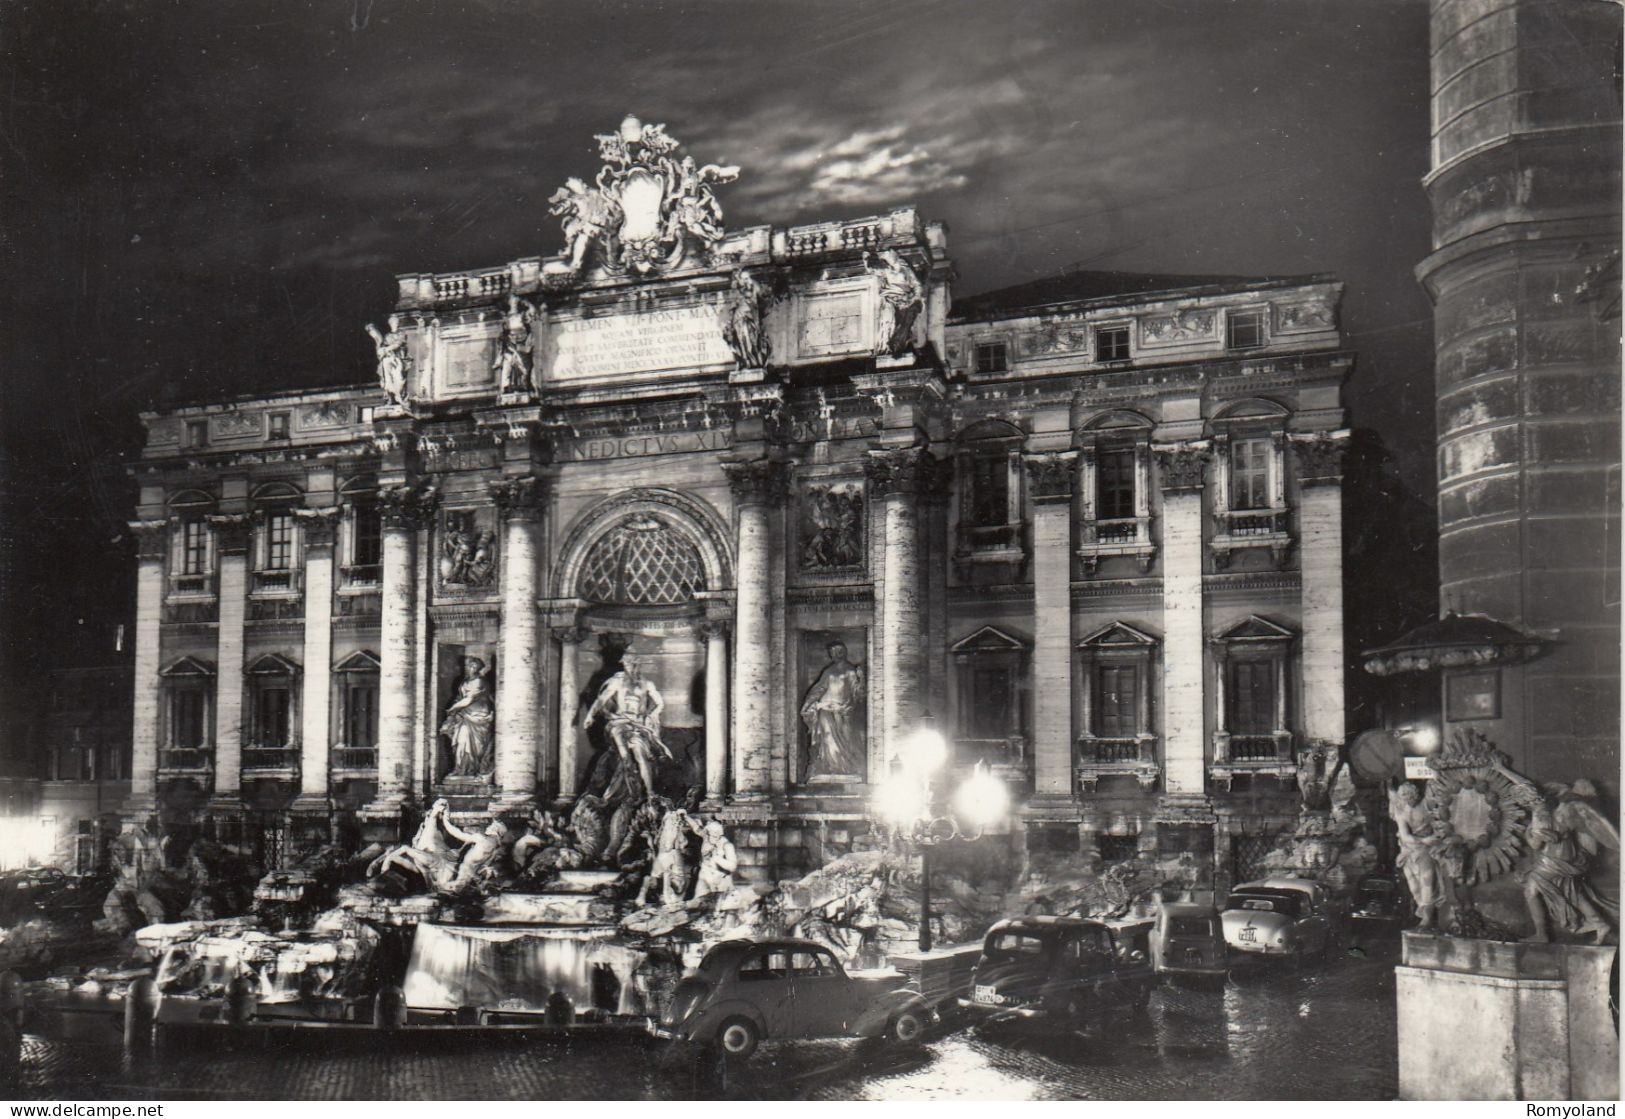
(1417, 846)
(512, 365)
(447, 858)
(587, 214)
(470, 723)
(744, 327)
(631, 706)
(832, 712)
(902, 298)
(670, 864)
(1563, 837)
(393, 361)
(718, 861)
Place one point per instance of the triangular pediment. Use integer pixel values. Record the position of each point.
(188, 666)
(1118, 635)
(1254, 628)
(273, 664)
(989, 639)
(359, 661)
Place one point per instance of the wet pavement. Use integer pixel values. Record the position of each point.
(1325, 1033)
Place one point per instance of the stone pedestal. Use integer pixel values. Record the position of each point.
(1485, 1020)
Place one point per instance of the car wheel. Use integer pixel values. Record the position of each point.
(738, 1037)
(906, 1027)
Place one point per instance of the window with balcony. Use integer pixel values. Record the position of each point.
(1249, 508)
(188, 715)
(273, 721)
(276, 540)
(356, 679)
(1118, 739)
(989, 462)
(1244, 329)
(192, 545)
(990, 682)
(992, 357)
(1116, 468)
(1252, 661)
(1111, 343)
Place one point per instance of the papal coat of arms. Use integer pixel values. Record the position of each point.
(648, 209)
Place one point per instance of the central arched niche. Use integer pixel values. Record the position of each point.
(641, 564)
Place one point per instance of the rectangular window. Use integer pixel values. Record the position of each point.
(272, 706)
(1250, 474)
(197, 433)
(279, 542)
(368, 549)
(992, 706)
(1111, 343)
(194, 548)
(1252, 697)
(1117, 848)
(361, 715)
(992, 357)
(989, 491)
(186, 709)
(1246, 329)
(1114, 485)
(279, 425)
(1117, 694)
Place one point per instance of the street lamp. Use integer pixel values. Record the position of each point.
(906, 799)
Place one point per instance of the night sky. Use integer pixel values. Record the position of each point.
(206, 198)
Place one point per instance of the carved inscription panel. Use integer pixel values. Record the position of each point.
(613, 345)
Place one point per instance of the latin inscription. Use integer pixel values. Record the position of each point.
(630, 446)
(677, 338)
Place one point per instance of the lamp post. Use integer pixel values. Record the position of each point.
(906, 799)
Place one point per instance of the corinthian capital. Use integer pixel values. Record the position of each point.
(906, 470)
(1320, 457)
(320, 525)
(1049, 476)
(406, 506)
(1182, 467)
(149, 538)
(519, 498)
(232, 530)
(762, 481)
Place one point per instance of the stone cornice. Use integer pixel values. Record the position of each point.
(320, 525)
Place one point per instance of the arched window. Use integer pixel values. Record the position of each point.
(989, 477)
(642, 561)
(1115, 485)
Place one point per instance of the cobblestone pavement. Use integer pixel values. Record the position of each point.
(1327, 1033)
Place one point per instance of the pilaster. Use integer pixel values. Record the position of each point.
(1319, 462)
(898, 476)
(232, 530)
(319, 530)
(1049, 485)
(760, 488)
(569, 638)
(1182, 471)
(404, 510)
(519, 692)
(151, 539)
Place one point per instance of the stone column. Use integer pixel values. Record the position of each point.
(897, 476)
(233, 531)
(403, 511)
(151, 538)
(519, 673)
(316, 720)
(759, 487)
(1182, 469)
(570, 639)
(1049, 485)
(715, 636)
(1320, 551)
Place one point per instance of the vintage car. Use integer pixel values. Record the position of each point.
(1380, 908)
(1069, 966)
(747, 991)
(1188, 940)
(1281, 917)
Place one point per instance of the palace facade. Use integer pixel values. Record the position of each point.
(1092, 527)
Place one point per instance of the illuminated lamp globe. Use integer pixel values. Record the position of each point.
(899, 798)
(982, 800)
(926, 750)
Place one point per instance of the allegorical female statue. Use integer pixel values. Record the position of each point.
(1417, 858)
(833, 713)
(393, 360)
(470, 723)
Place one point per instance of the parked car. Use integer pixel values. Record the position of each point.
(1283, 917)
(1062, 965)
(1188, 940)
(746, 991)
(1380, 908)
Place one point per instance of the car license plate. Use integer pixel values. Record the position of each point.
(989, 995)
(1249, 934)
